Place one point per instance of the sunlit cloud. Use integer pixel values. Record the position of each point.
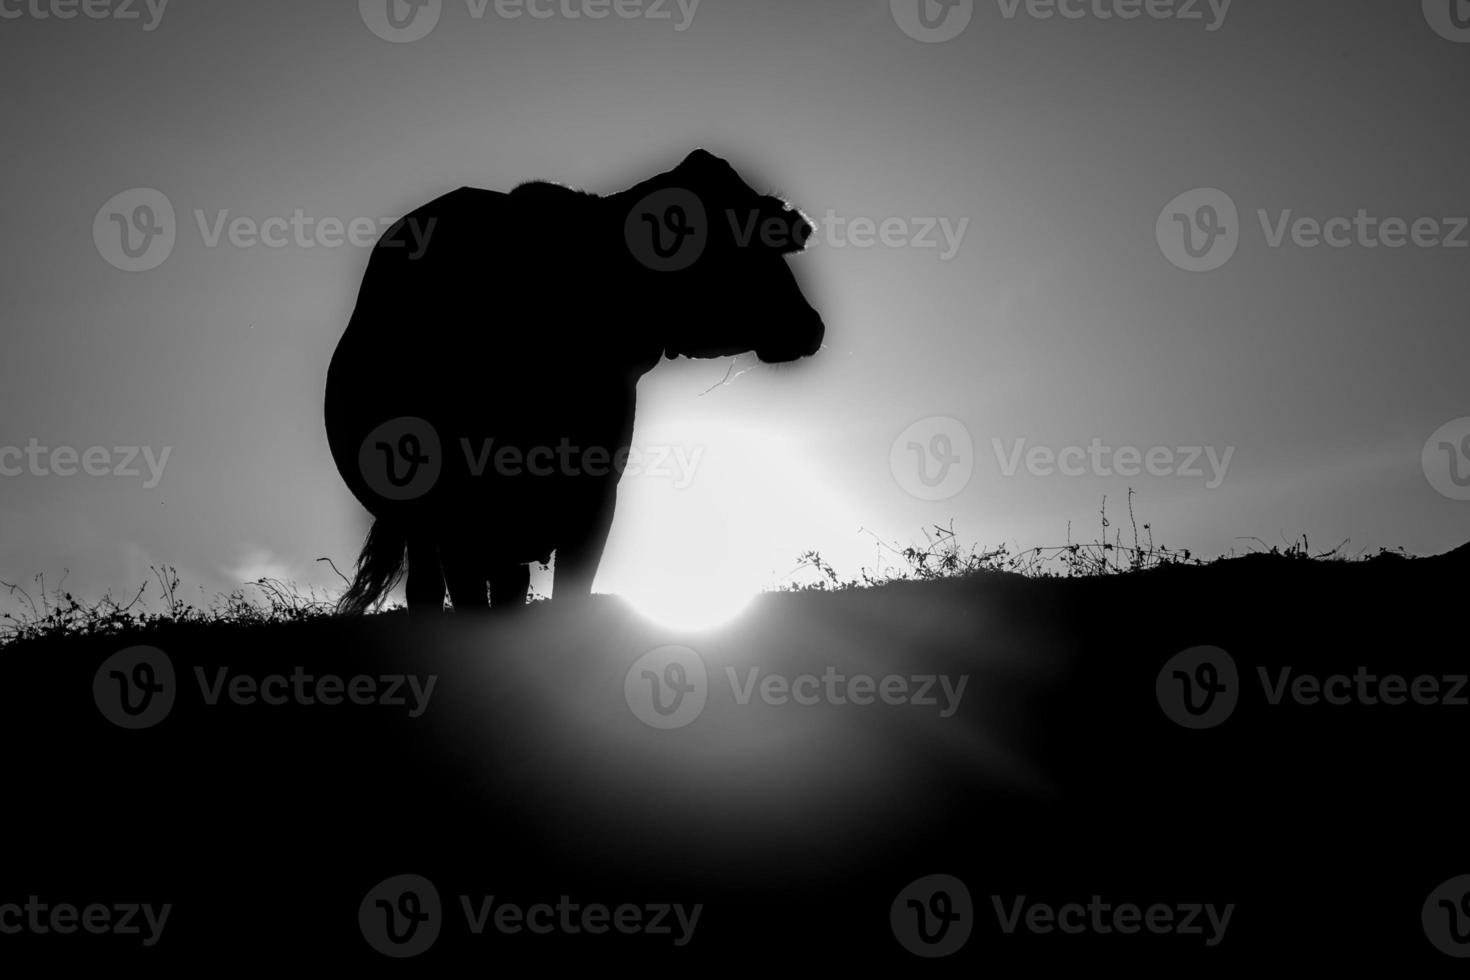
(257, 564)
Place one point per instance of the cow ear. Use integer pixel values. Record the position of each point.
(704, 163)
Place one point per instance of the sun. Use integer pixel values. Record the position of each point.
(711, 520)
(691, 603)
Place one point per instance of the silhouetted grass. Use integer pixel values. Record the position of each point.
(57, 612)
(943, 556)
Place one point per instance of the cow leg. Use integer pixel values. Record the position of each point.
(425, 587)
(509, 585)
(464, 573)
(581, 551)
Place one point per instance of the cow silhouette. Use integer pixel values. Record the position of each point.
(480, 403)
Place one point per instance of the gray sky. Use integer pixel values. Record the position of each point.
(1054, 144)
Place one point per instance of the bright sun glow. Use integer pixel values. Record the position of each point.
(688, 604)
(722, 518)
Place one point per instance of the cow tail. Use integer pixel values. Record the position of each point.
(379, 568)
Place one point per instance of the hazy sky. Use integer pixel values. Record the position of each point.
(1053, 144)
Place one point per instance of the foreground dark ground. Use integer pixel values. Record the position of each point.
(528, 777)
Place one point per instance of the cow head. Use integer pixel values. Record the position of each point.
(719, 251)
